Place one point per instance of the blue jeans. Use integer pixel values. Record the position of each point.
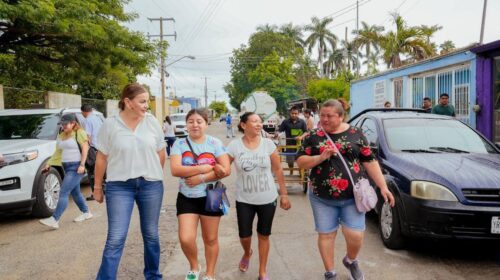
(170, 143)
(120, 197)
(70, 185)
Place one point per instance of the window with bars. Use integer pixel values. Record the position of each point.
(456, 83)
(398, 93)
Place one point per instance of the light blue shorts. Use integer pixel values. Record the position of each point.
(329, 213)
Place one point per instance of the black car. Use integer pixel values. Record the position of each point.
(445, 176)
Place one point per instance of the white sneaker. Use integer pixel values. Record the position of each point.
(193, 275)
(50, 222)
(83, 217)
(207, 278)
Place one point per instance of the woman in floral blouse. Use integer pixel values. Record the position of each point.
(331, 192)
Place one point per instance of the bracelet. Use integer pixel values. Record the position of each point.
(202, 176)
(82, 165)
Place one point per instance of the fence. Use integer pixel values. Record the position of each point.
(18, 98)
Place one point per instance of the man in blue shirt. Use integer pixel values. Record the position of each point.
(91, 125)
(229, 126)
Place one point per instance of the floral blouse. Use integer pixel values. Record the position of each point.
(329, 179)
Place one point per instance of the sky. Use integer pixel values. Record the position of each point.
(209, 30)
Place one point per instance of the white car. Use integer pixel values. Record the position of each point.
(179, 123)
(27, 140)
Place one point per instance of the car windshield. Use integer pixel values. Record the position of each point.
(178, 118)
(434, 136)
(39, 126)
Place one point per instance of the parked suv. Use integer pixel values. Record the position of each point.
(27, 140)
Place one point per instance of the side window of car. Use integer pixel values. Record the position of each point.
(369, 128)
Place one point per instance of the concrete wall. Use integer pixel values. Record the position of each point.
(362, 91)
(54, 100)
(112, 107)
(2, 105)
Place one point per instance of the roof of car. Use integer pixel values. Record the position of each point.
(10, 112)
(398, 113)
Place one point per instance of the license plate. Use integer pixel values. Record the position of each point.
(495, 224)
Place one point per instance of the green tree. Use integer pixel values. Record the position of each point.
(247, 58)
(294, 32)
(447, 46)
(405, 40)
(325, 89)
(369, 38)
(322, 37)
(60, 44)
(276, 76)
(219, 107)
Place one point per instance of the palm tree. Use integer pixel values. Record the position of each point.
(267, 28)
(321, 36)
(447, 46)
(368, 36)
(428, 32)
(371, 62)
(335, 62)
(294, 32)
(350, 54)
(405, 40)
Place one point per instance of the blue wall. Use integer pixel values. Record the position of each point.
(362, 91)
(195, 102)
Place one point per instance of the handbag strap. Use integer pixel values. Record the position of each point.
(76, 140)
(340, 156)
(192, 150)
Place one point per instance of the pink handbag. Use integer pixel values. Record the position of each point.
(364, 194)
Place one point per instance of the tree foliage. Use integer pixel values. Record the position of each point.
(59, 44)
(219, 107)
(325, 89)
(274, 51)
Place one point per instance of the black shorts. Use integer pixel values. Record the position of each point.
(193, 205)
(246, 213)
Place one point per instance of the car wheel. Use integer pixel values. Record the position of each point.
(47, 187)
(389, 227)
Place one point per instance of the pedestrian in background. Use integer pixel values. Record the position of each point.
(131, 149)
(71, 151)
(169, 131)
(331, 193)
(229, 126)
(92, 125)
(387, 104)
(309, 119)
(256, 160)
(427, 105)
(444, 108)
(293, 127)
(198, 160)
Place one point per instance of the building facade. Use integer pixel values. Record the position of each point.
(488, 89)
(470, 76)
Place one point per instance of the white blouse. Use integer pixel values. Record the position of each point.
(132, 154)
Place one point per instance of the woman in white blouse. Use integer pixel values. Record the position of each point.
(131, 150)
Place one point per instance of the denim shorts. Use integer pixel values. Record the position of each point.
(329, 213)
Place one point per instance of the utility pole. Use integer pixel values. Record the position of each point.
(206, 93)
(162, 59)
(482, 22)
(357, 31)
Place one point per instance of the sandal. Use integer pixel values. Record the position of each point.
(265, 278)
(245, 263)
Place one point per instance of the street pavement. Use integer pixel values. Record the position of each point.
(28, 250)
